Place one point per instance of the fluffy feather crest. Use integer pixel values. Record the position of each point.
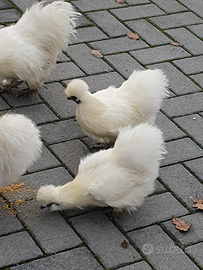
(77, 88)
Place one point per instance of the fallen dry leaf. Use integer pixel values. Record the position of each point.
(121, 1)
(199, 203)
(133, 36)
(181, 225)
(124, 244)
(176, 44)
(96, 53)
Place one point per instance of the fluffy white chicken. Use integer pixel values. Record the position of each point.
(20, 146)
(29, 48)
(137, 100)
(120, 177)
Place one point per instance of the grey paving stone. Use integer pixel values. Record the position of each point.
(8, 222)
(3, 105)
(193, 125)
(178, 83)
(121, 44)
(79, 258)
(61, 131)
(62, 58)
(182, 183)
(186, 104)
(108, 23)
(132, 2)
(49, 229)
(65, 71)
(197, 29)
(39, 113)
(136, 266)
(196, 251)
(9, 15)
(90, 64)
(22, 100)
(189, 41)
(137, 12)
(176, 20)
(83, 22)
(153, 210)
(128, 63)
(32, 182)
(196, 167)
(47, 161)
(160, 250)
(55, 96)
(169, 129)
(22, 4)
(89, 5)
(159, 54)
(196, 6)
(190, 65)
(181, 150)
(195, 233)
(148, 32)
(92, 226)
(70, 153)
(5, 4)
(88, 34)
(159, 188)
(102, 81)
(170, 6)
(16, 248)
(198, 79)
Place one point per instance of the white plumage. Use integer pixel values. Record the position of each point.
(120, 177)
(20, 146)
(137, 100)
(29, 48)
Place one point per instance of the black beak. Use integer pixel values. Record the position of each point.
(48, 205)
(74, 99)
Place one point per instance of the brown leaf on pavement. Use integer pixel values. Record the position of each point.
(199, 203)
(176, 44)
(124, 244)
(181, 225)
(96, 53)
(121, 1)
(133, 36)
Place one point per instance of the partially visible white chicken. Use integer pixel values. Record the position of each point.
(120, 177)
(20, 146)
(137, 100)
(29, 48)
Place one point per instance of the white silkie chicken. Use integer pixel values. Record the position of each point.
(137, 100)
(29, 48)
(120, 177)
(20, 146)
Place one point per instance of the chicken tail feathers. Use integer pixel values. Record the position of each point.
(147, 89)
(49, 26)
(140, 148)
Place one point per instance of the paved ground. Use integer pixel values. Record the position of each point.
(33, 238)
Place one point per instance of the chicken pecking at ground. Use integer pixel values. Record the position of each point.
(29, 48)
(120, 177)
(137, 100)
(20, 146)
